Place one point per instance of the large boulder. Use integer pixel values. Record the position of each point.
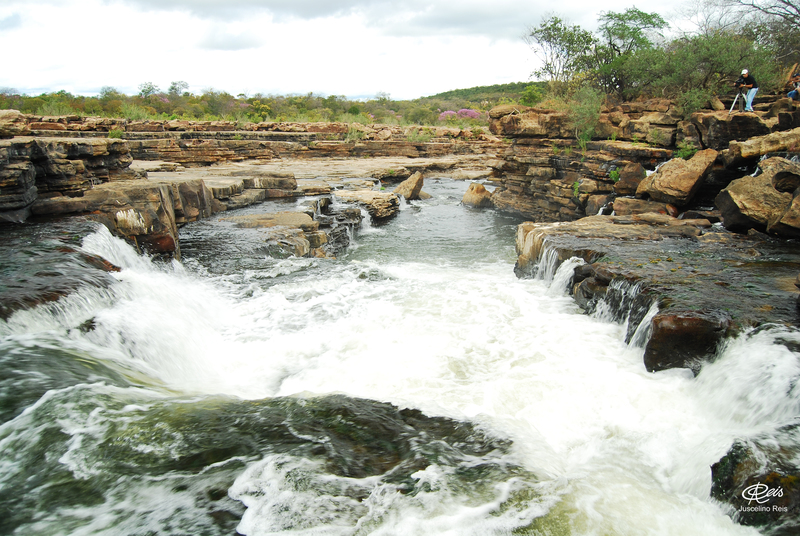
(630, 176)
(379, 205)
(754, 148)
(477, 196)
(717, 129)
(523, 122)
(756, 203)
(684, 339)
(13, 123)
(411, 187)
(678, 180)
(140, 211)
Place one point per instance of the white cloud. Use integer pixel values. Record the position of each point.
(11, 22)
(407, 48)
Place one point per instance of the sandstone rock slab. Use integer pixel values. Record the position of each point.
(379, 205)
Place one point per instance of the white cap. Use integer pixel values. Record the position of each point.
(744, 71)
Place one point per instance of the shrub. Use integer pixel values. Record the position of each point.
(55, 108)
(134, 112)
(584, 113)
(419, 136)
(693, 100)
(354, 134)
(685, 149)
(115, 133)
(467, 113)
(531, 96)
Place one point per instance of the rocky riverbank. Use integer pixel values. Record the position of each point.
(688, 252)
(691, 251)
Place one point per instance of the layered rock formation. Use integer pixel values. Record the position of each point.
(644, 255)
(201, 143)
(546, 175)
(707, 284)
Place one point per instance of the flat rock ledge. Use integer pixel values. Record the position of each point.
(707, 283)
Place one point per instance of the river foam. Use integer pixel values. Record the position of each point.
(440, 324)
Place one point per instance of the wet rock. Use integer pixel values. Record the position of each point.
(411, 187)
(755, 202)
(625, 206)
(629, 178)
(708, 283)
(678, 180)
(380, 205)
(477, 196)
(17, 186)
(760, 481)
(684, 339)
(596, 203)
(43, 267)
(146, 213)
(754, 148)
(140, 211)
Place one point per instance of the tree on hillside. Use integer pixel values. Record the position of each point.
(178, 88)
(621, 36)
(148, 88)
(560, 47)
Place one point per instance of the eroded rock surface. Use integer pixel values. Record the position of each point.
(708, 283)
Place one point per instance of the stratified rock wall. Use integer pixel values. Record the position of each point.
(546, 175)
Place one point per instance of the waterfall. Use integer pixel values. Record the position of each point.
(413, 385)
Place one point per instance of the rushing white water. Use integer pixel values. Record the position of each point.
(616, 450)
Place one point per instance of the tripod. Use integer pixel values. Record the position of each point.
(739, 93)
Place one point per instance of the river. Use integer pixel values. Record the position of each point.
(412, 386)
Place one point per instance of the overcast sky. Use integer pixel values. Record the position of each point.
(355, 48)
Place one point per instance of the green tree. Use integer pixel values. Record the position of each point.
(560, 47)
(148, 88)
(531, 95)
(584, 113)
(621, 36)
(178, 88)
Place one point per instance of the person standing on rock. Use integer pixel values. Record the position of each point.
(747, 82)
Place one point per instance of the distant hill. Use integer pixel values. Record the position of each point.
(495, 93)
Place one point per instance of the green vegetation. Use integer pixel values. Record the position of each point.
(685, 149)
(463, 108)
(629, 57)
